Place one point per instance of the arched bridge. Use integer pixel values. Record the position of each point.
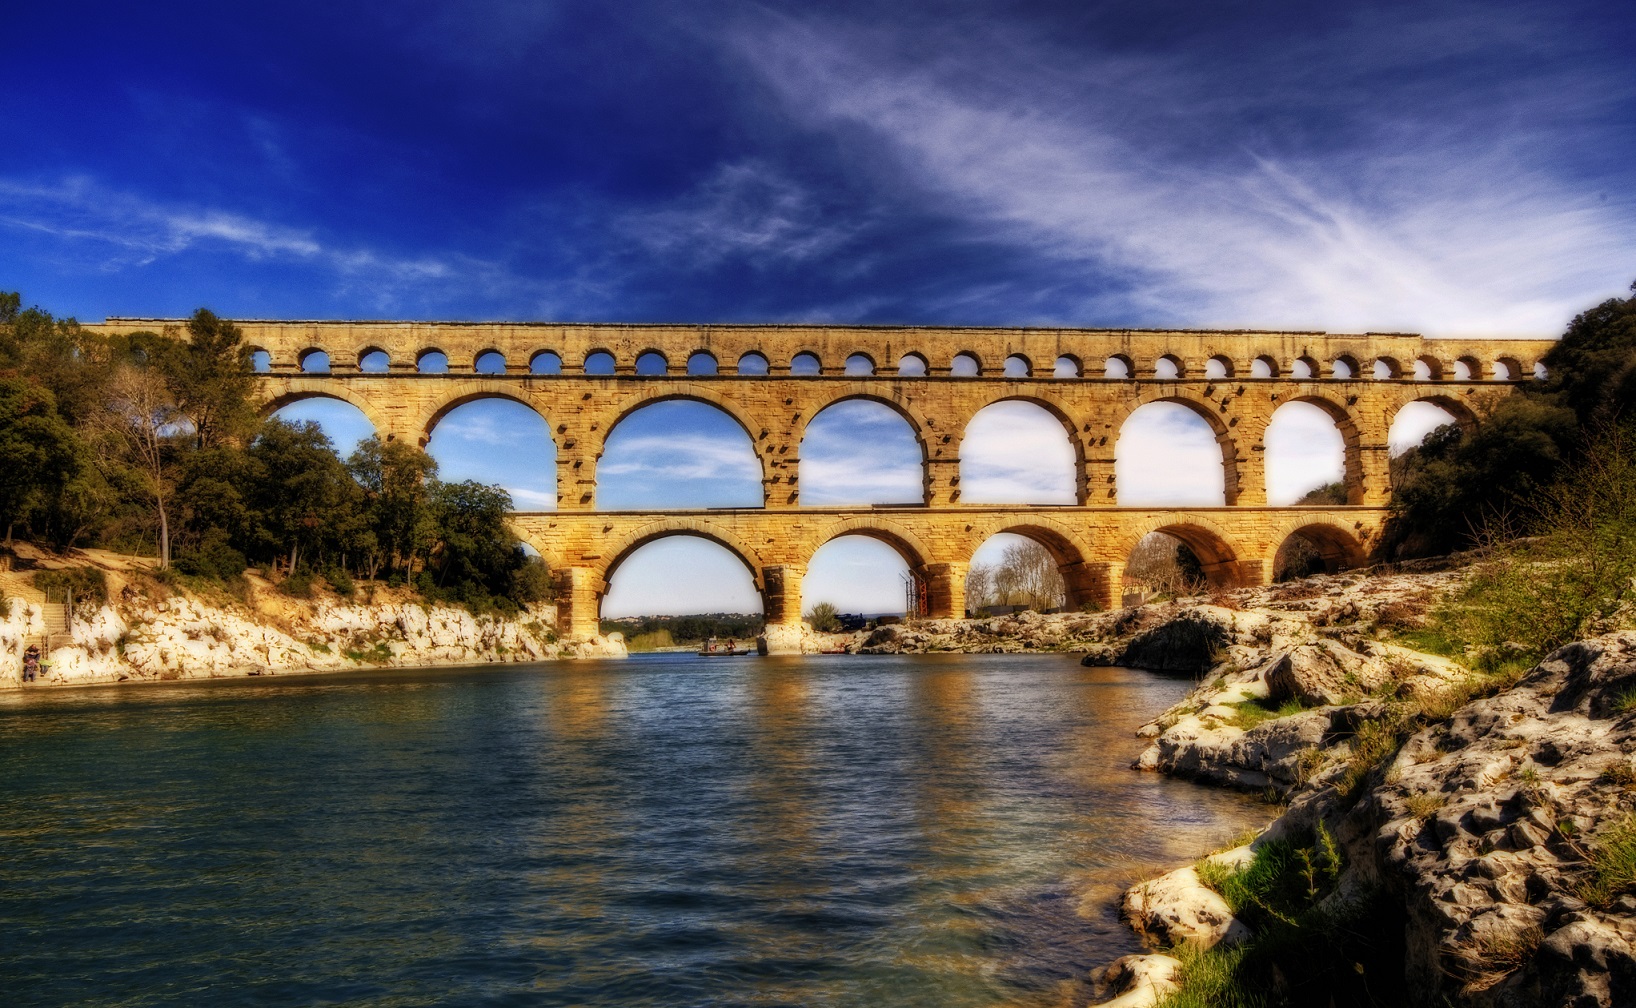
(583, 379)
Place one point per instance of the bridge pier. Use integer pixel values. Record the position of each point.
(579, 602)
(1375, 476)
(1093, 583)
(781, 594)
(945, 589)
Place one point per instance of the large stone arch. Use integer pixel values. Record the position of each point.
(462, 392)
(1049, 401)
(1054, 406)
(596, 433)
(670, 391)
(1347, 422)
(1232, 470)
(916, 552)
(1066, 543)
(920, 426)
(918, 422)
(298, 389)
(663, 528)
(1222, 557)
(942, 583)
(1086, 583)
(1462, 409)
(1339, 547)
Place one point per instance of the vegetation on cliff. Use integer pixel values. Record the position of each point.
(1455, 489)
(150, 444)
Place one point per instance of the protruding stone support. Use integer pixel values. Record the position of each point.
(780, 480)
(945, 589)
(942, 481)
(579, 602)
(781, 594)
(1101, 489)
(576, 472)
(1376, 472)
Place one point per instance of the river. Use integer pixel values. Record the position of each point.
(827, 831)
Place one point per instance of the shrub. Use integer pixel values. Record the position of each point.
(213, 558)
(82, 584)
(297, 585)
(341, 581)
(824, 618)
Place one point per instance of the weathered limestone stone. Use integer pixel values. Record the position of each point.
(1177, 907)
(1139, 980)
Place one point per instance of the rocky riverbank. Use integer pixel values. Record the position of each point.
(148, 632)
(1489, 822)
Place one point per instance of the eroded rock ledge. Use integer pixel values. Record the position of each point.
(141, 637)
(1480, 831)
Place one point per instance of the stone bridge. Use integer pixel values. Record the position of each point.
(774, 379)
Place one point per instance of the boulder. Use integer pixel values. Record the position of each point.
(1192, 643)
(1325, 672)
(1178, 907)
(1138, 981)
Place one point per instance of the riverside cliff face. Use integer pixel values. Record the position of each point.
(1482, 815)
(182, 637)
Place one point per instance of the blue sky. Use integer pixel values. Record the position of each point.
(1436, 167)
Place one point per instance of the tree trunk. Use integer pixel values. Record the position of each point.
(164, 534)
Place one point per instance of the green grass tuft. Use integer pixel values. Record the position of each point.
(1254, 712)
(1613, 863)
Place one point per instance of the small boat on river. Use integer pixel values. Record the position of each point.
(711, 649)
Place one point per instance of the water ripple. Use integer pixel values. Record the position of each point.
(946, 831)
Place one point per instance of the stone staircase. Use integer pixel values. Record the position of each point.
(54, 614)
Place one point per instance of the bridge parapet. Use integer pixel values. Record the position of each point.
(941, 351)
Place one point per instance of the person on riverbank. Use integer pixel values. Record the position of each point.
(31, 662)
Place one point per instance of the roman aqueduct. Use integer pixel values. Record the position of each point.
(774, 379)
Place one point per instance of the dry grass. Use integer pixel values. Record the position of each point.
(1424, 805)
(1481, 962)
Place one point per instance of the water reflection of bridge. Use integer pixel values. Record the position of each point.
(585, 379)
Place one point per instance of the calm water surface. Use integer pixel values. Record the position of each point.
(869, 831)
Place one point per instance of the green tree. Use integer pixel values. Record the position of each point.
(396, 479)
(1454, 482)
(210, 375)
(1593, 366)
(39, 452)
(138, 425)
(307, 500)
(474, 548)
(56, 354)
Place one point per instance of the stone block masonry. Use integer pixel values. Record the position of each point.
(772, 380)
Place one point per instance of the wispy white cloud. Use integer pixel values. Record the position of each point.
(1167, 455)
(114, 230)
(747, 210)
(1016, 453)
(679, 457)
(1413, 225)
(860, 452)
